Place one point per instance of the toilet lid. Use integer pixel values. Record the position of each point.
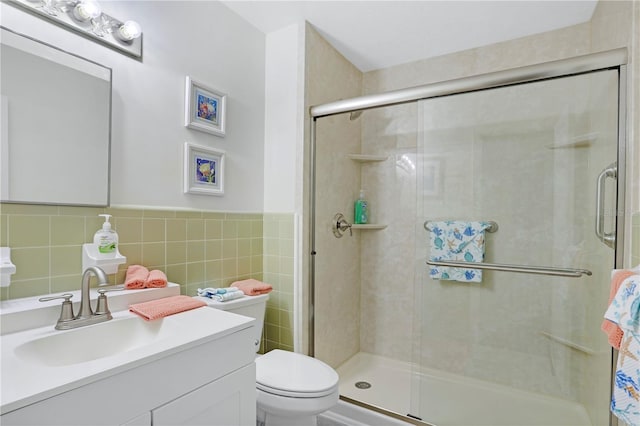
(292, 374)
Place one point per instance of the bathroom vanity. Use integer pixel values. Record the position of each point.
(196, 367)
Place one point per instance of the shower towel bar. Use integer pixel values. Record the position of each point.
(539, 270)
(493, 226)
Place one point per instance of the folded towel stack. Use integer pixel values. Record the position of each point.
(139, 277)
(221, 294)
(160, 308)
(252, 287)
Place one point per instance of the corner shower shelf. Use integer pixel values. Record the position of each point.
(365, 158)
(369, 226)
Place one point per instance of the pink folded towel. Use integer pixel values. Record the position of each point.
(156, 279)
(252, 287)
(610, 328)
(161, 308)
(136, 277)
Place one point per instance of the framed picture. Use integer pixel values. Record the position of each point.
(203, 170)
(205, 108)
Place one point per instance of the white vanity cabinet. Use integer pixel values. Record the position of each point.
(223, 402)
(211, 381)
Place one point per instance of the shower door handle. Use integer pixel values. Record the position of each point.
(611, 171)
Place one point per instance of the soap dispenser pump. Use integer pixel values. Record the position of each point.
(106, 239)
(103, 252)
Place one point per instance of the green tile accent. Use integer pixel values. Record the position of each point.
(176, 252)
(153, 254)
(28, 231)
(195, 273)
(3, 230)
(194, 249)
(30, 263)
(153, 230)
(176, 229)
(66, 260)
(129, 229)
(195, 229)
(28, 288)
(67, 230)
(213, 249)
(230, 229)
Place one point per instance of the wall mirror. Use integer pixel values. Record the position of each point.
(55, 125)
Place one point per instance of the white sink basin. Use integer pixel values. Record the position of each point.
(93, 342)
(38, 363)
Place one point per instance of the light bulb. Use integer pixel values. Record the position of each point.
(129, 30)
(87, 9)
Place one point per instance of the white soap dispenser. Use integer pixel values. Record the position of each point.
(106, 239)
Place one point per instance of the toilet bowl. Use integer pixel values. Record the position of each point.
(291, 388)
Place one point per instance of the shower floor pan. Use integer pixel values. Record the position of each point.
(451, 400)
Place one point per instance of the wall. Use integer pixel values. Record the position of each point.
(204, 40)
(194, 248)
(197, 240)
(329, 76)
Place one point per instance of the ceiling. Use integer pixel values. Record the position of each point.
(379, 34)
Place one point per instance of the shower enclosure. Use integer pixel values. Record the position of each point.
(539, 153)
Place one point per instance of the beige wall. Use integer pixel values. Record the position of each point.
(330, 76)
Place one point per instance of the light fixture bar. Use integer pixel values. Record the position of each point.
(85, 18)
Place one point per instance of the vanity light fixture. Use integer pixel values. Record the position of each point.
(129, 30)
(86, 18)
(86, 10)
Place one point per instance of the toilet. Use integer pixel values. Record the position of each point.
(292, 389)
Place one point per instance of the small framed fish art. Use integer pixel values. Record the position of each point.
(203, 170)
(205, 108)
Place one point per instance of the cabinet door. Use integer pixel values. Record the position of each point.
(230, 400)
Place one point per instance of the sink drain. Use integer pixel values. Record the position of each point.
(363, 385)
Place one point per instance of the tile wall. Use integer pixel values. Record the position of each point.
(194, 248)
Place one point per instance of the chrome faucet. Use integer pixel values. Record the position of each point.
(85, 316)
(85, 303)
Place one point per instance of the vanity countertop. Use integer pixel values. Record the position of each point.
(41, 362)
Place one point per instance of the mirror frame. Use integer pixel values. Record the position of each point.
(110, 125)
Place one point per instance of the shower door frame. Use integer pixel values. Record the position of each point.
(613, 59)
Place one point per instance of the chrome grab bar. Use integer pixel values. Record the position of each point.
(610, 172)
(539, 270)
(493, 226)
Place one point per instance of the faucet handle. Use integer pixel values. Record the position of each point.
(66, 314)
(101, 307)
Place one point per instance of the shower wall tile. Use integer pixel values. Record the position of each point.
(330, 77)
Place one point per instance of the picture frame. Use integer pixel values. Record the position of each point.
(205, 108)
(203, 170)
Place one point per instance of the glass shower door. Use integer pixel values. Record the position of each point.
(518, 348)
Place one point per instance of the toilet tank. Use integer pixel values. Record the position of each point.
(249, 306)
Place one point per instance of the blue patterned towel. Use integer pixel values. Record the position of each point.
(459, 241)
(624, 310)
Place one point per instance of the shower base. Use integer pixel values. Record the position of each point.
(448, 399)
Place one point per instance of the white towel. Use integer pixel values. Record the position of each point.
(624, 310)
(458, 241)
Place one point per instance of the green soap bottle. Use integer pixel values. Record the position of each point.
(361, 213)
